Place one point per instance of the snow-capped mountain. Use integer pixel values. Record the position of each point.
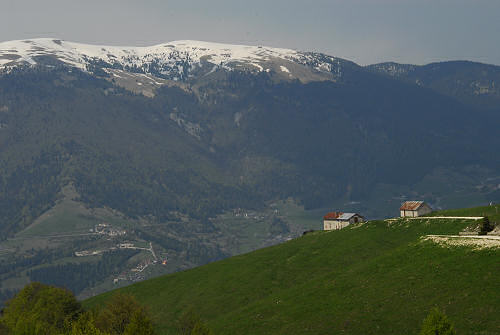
(176, 60)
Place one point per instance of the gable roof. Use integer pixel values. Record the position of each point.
(411, 205)
(348, 216)
(332, 215)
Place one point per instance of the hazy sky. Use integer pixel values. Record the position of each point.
(365, 31)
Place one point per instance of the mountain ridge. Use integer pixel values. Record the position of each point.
(175, 60)
(473, 83)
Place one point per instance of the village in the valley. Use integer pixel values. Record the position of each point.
(134, 274)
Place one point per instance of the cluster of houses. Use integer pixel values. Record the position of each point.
(107, 229)
(339, 220)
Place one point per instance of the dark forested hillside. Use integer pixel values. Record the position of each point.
(310, 141)
(249, 140)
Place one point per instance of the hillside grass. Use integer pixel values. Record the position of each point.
(377, 278)
(492, 212)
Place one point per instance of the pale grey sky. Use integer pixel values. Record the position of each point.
(364, 31)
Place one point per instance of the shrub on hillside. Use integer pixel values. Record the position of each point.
(85, 325)
(437, 323)
(190, 323)
(485, 227)
(124, 315)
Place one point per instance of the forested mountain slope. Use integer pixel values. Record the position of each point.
(249, 140)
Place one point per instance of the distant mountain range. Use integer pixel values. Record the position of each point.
(474, 83)
(176, 136)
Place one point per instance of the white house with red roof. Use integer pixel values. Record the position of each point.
(339, 220)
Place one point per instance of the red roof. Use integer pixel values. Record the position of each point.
(332, 215)
(411, 205)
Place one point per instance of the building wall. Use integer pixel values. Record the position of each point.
(326, 225)
(421, 211)
(342, 224)
(411, 214)
(335, 224)
(424, 210)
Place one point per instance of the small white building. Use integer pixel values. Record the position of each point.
(414, 209)
(339, 220)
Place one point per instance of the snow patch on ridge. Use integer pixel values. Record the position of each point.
(172, 60)
(284, 69)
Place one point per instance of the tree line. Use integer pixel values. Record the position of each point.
(40, 309)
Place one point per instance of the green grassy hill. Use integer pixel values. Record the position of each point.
(377, 278)
(492, 212)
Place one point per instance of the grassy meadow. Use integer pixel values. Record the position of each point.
(375, 278)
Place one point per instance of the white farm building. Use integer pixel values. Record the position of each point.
(414, 209)
(339, 220)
